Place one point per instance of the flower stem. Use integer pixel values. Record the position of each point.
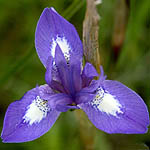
(87, 130)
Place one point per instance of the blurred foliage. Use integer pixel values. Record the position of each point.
(21, 68)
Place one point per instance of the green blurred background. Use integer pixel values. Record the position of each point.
(125, 54)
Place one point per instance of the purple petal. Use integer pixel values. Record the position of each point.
(75, 71)
(117, 109)
(48, 74)
(59, 99)
(50, 80)
(89, 72)
(92, 87)
(84, 97)
(57, 86)
(53, 29)
(64, 72)
(61, 102)
(30, 117)
(102, 76)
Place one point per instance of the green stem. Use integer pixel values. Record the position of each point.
(87, 130)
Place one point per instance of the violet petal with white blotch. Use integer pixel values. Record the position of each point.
(53, 29)
(117, 109)
(30, 117)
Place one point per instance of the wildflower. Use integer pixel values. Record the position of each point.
(109, 105)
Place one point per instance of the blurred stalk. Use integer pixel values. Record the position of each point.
(87, 130)
(120, 23)
(90, 34)
(91, 53)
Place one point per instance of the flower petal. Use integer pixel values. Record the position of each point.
(48, 74)
(50, 79)
(53, 29)
(59, 99)
(84, 97)
(30, 117)
(69, 74)
(75, 71)
(117, 109)
(89, 72)
(64, 73)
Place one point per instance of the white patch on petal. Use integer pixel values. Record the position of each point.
(63, 44)
(36, 111)
(106, 102)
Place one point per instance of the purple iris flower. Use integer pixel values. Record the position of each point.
(109, 105)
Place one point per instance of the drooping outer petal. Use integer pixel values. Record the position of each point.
(53, 29)
(30, 117)
(117, 109)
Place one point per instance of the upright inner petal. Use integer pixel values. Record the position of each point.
(36, 111)
(106, 103)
